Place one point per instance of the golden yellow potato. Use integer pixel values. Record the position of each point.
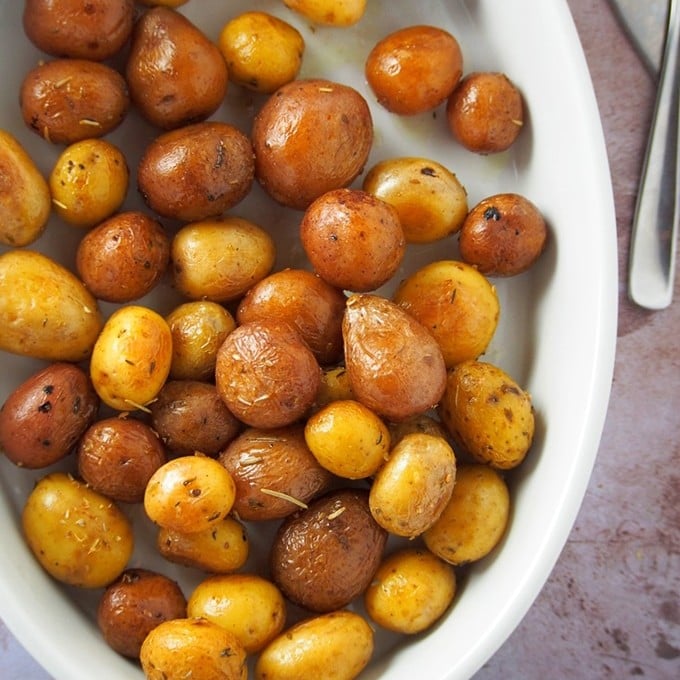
(422, 424)
(220, 259)
(189, 493)
(198, 329)
(474, 520)
(45, 311)
(410, 491)
(329, 12)
(247, 605)
(222, 548)
(334, 646)
(24, 195)
(79, 536)
(192, 648)
(89, 182)
(457, 305)
(488, 413)
(429, 199)
(131, 358)
(262, 51)
(410, 591)
(335, 386)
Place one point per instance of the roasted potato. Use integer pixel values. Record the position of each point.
(335, 386)
(329, 12)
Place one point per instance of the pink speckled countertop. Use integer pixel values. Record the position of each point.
(611, 608)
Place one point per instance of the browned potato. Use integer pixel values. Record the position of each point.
(325, 556)
(197, 171)
(414, 69)
(134, 604)
(266, 374)
(420, 424)
(43, 418)
(304, 300)
(124, 257)
(94, 30)
(274, 471)
(311, 136)
(485, 112)
(189, 416)
(395, 366)
(353, 239)
(176, 75)
(116, 456)
(503, 235)
(66, 100)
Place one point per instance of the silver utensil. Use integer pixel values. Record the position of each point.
(651, 273)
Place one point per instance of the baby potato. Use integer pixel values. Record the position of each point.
(190, 417)
(410, 591)
(67, 100)
(247, 605)
(24, 195)
(266, 374)
(304, 300)
(430, 201)
(220, 549)
(189, 493)
(123, 258)
(43, 418)
(131, 358)
(198, 329)
(274, 471)
(116, 457)
(414, 69)
(353, 239)
(503, 235)
(95, 30)
(262, 51)
(395, 366)
(134, 604)
(311, 136)
(348, 439)
(420, 424)
(221, 258)
(488, 413)
(474, 520)
(45, 311)
(334, 386)
(77, 535)
(176, 74)
(324, 556)
(456, 304)
(485, 112)
(411, 489)
(196, 171)
(329, 12)
(192, 648)
(334, 646)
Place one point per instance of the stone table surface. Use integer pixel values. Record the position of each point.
(611, 608)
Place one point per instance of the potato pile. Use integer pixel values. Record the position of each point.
(361, 431)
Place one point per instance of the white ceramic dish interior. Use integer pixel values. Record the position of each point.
(556, 335)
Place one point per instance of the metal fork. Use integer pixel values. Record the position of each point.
(651, 272)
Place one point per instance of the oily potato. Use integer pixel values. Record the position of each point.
(77, 535)
(176, 74)
(67, 100)
(45, 310)
(329, 12)
(311, 136)
(488, 413)
(43, 418)
(196, 171)
(335, 386)
(24, 195)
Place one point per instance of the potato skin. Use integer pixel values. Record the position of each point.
(196, 171)
(134, 604)
(43, 418)
(329, 12)
(325, 556)
(66, 100)
(310, 136)
(45, 311)
(95, 30)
